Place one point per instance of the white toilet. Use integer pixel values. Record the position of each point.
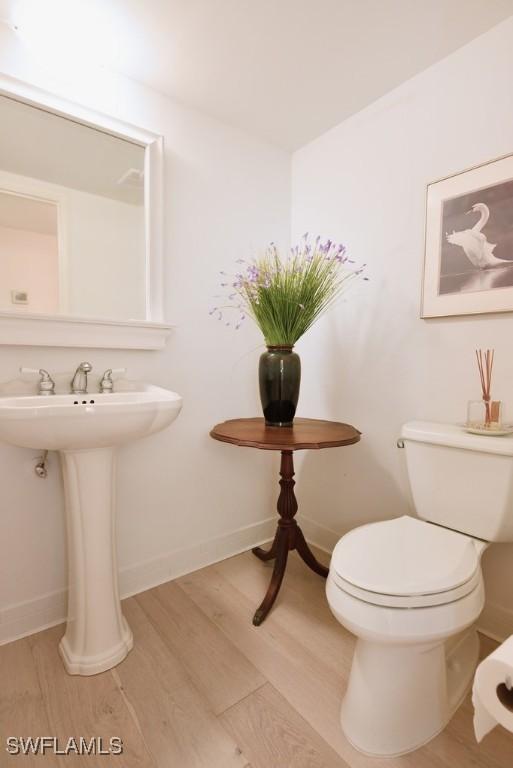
(411, 589)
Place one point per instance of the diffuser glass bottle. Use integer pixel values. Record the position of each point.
(485, 414)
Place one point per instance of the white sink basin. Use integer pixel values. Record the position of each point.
(75, 422)
(86, 429)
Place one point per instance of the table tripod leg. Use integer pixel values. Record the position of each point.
(288, 536)
(282, 552)
(308, 557)
(267, 554)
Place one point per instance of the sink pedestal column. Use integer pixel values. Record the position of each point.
(97, 636)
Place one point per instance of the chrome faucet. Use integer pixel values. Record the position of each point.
(79, 380)
(46, 383)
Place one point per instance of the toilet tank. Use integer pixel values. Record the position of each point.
(461, 481)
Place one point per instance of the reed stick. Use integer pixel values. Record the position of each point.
(485, 366)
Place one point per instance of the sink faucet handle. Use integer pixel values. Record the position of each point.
(46, 383)
(106, 383)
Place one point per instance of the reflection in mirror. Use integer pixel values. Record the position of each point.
(72, 237)
(29, 254)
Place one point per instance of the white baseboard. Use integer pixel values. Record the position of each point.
(48, 610)
(496, 622)
(318, 535)
(26, 618)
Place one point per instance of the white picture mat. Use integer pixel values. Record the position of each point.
(469, 303)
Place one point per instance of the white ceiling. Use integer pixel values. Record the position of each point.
(284, 70)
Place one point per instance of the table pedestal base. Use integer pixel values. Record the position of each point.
(288, 536)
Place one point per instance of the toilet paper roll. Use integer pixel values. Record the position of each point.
(492, 694)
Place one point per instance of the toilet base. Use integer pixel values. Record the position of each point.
(401, 696)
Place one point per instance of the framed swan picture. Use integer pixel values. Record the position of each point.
(468, 264)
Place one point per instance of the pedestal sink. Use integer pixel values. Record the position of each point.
(86, 429)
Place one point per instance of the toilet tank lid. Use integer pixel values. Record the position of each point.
(455, 436)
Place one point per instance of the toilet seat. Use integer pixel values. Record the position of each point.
(408, 601)
(390, 564)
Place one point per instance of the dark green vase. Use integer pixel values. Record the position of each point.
(279, 374)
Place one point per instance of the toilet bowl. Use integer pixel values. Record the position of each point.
(417, 648)
(411, 589)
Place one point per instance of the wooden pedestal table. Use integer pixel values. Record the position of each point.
(305, 434)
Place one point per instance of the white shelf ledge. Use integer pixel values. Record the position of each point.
(62, 331)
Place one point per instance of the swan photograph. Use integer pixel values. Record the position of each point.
(477, 240)
(469, 242)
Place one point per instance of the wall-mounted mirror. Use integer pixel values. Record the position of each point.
(74, 220)
(71, 217)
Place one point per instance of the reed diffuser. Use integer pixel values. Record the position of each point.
(485, 414)
(485, 366)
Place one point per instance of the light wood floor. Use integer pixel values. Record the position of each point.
(203, 688)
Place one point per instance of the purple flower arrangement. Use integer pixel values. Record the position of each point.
(285, 298)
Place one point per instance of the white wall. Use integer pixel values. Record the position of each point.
(29, 261)
(373, 362)
(183, 499)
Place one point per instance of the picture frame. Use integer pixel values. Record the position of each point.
(468, 260)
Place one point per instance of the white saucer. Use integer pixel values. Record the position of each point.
(507, 429)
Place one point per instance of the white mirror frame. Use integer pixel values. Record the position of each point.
(67, 331)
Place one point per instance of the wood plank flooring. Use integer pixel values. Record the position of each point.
(203, 688)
